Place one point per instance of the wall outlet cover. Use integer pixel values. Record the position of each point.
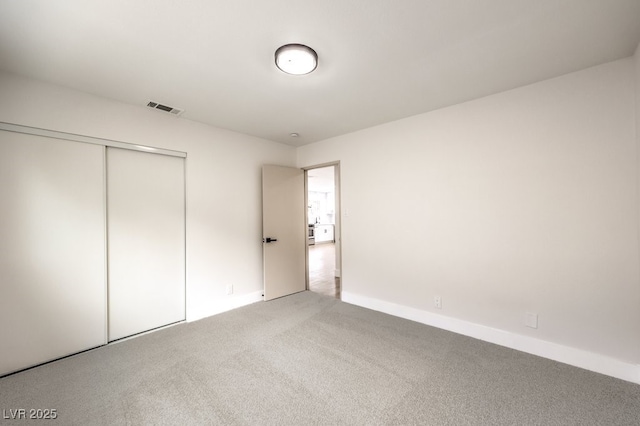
(531, 320)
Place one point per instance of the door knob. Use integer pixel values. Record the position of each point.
(269, 240)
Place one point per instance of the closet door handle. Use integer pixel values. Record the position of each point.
(269, 240)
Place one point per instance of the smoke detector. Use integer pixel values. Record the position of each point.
(161, 107)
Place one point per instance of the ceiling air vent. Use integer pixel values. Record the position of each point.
(170, 110)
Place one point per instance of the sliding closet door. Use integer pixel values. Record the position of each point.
(146, 241)
(52, 249)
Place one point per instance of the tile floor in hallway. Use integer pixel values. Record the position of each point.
(322, 265)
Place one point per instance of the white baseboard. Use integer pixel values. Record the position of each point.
(565, 354)
(226, 304)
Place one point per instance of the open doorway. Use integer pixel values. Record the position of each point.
(323, 218)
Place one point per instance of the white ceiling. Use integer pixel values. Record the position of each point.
(379, 60)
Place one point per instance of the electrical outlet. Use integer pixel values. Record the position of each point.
(229, 288)
(437, 301)
(531, 320)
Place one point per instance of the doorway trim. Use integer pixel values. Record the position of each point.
(338, 219)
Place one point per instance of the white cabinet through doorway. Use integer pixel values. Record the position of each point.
(324, 233)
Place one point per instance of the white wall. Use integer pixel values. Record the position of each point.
(525, 201)
(637, 82)
(224, 219)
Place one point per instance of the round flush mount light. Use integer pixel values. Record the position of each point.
(296, 59)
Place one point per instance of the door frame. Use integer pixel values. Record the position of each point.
(338, 218)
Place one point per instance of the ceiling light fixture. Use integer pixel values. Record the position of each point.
(296, 59)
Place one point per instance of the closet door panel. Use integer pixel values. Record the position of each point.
(146, 241)
(52, 249)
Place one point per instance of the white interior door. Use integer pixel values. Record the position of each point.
(52, 249)
(146, 241)
(284, 231)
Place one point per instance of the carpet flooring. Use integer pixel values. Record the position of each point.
(312, 359)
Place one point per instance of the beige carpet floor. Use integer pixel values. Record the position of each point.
(312, 359)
